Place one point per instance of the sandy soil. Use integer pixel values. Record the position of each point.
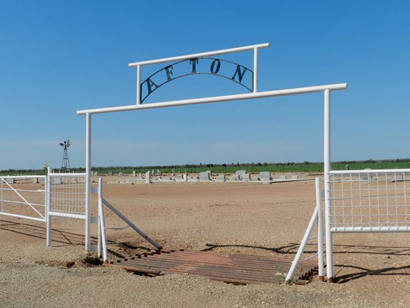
(373, 270)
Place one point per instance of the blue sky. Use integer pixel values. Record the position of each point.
(57, 57)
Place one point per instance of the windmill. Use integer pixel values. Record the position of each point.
(65, 165)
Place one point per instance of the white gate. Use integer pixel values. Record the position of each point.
(366, 201)
(24, 197)
(41, 197)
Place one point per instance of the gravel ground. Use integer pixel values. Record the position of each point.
(373, 270)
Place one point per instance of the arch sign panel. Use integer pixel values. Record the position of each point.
(235, 72)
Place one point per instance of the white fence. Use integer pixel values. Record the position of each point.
(23, 197)
(366, 201)
(40, 197)
(369, 201)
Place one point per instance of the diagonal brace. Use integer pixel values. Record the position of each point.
(136, 229)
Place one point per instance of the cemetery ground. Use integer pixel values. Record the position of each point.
(373, 269)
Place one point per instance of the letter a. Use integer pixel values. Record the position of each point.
(151, 84)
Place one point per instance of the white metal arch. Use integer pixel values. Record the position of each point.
(326, 89)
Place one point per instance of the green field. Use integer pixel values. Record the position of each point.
(230, 168)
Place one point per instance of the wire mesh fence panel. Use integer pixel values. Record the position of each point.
(370, 200)
(67, 195)
(23, 197)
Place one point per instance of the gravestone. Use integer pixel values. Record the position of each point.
(148, 177)
(245, 177)
(220, 178)
(205, 176)
(239, 174)
(179, 178)
(265, 177)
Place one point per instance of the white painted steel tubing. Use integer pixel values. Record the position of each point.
(217, 99)
(199, 55)
(21, 202)
(120, 215)
(48, 207)
(101, 219)
(68, 215)
(370, 171)
(68, 174)
(327, 168)
(87, 181)
(255, 70)
(369, 229)
(138, 96)
(25, 190)
(320, 260)
(23, 216)
(303, 243)
(23, 176)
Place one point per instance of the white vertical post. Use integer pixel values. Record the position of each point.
(255, 70)
(99, 231)
(101, 220)
(326, 169)
(47, 185)
(319, 229)
(87, 180)
(138, 84)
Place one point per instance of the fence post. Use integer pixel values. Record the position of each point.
(47, 185)
(327, 167)
(87, 180)
(101, 222)
(319, 229)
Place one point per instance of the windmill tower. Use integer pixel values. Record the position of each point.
(65, 165)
